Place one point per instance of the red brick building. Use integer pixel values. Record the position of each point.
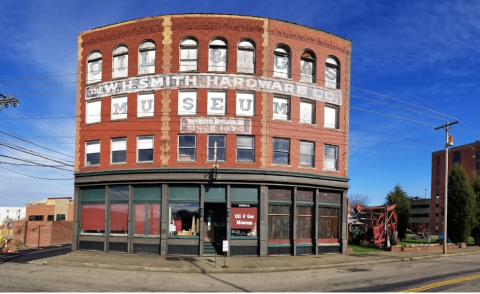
(51, 209)
(199, 128)
(467, 155)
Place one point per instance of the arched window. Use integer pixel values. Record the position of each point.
(94, 67)
(332, 73)
(217, 55)
(189, 55)
(307, 65)
(120, 62)
(146, 58)
(281, 62)
(246, 57)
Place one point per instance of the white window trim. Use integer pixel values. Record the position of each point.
(208, 148)
(153, 148)
(188, 46)
(313, 118)
(336, 159)
(111, 150)
(99, 152)
(253, 148)
(300, 153)
(289, 150)
(337, 111)
(178, 147)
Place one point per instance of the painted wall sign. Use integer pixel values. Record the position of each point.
(244, 218)
(215, 125)
(213, 81)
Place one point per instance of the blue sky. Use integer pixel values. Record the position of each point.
(422, 52)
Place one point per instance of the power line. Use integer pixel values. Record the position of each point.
(43, 165)
(396, 137)
(417, 121)
(35, 176)
(35, 144)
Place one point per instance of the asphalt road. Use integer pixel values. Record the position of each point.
(453, 274)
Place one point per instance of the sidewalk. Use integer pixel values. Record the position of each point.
(195, 264)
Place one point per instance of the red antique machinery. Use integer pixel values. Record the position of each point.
(374, 217)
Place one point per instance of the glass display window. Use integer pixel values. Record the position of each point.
(184, 219)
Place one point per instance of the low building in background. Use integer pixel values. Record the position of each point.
(420, 218)
(51, 209)
(11, 214)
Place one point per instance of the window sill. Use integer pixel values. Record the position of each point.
(145, 75)
(182, 237)
(307, 167)
(285, 120)
(118, 78)
(246, 116)
(143, 236)
(244, 162)
(121, 119)
(331, 170)
(187, 115)
(214, 115)
(189, 71)
(186, 161)
(332, 129)
(307, 124)
(217, 72)
(92, 234)
(218, 161)
(243, 238)
(145, 162)
(145, 117)
(93, 83)
(91, 124)
(281, 164)
(287, 79)
(118, 235)
(92, 165)
(245, 73)
(117, 163)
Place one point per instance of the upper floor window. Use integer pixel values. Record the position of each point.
(217, 55)
(93, 114)
(119, 150)
(331, 117)
(94, 67)
(92, 152)
(330, 157)
(246, 57)
(307, 112)
(144, 148)
(456, 157)
(281, 151)
(332, 73)
(307, 67)
(189, 55)
(146, 58)
(216, 147)
(145, 104)
(217, 103)
(307, 152)
(187, 102)
(281, 62)
(120, 62)
(187, 147)
(245, 104)
(246, 148)
(281, 108)
(119, 107)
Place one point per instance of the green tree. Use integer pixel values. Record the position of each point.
(475, 180)
(462, 209)
(403, 210)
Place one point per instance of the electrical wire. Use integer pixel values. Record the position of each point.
(417, 121)
(35, 144)
(35, 176)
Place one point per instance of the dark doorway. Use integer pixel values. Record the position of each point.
(215, 222)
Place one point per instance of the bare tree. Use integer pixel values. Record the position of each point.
(360, 199)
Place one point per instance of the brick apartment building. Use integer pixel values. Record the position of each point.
(420, 217)
(467, 155)
(199, 128)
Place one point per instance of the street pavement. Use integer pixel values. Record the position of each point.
(195, 264)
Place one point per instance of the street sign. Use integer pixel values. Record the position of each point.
(225, 245)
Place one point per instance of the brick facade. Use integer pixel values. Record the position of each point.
(469, 158)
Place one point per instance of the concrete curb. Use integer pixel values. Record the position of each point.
(241, 270)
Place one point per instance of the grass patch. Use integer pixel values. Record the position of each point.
(357, 248)
(410, 241)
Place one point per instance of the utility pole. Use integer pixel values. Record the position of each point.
(448, 142)
(8, 101)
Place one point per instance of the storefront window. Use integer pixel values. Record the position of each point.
(328, 224)
(92, 219)
(147, 219)
(119, 210)
(244, 220)
(279, 224)
(304, 224)
(184, 219)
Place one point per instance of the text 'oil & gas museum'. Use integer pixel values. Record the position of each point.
(193, 129)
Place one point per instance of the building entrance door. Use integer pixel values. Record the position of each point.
(215, 222)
